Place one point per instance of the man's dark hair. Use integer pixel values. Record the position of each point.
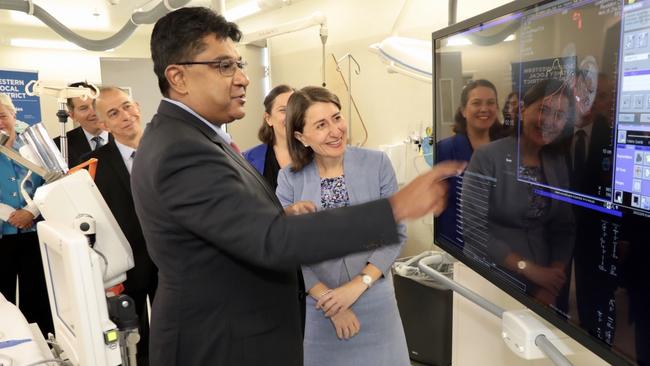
(266, 134)
(82, 84)
(178, 37)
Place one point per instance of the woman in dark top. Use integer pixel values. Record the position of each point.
(272, 155)
(509, 222)
(476, 124)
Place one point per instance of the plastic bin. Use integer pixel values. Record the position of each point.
(426, 311)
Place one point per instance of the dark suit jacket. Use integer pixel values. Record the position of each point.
(597, 171)
(226, 254)
(113, 181)
(78, 145)
(594, 287)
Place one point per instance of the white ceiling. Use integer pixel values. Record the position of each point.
(86, 15)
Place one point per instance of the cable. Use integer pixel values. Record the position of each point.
(323, 38)
(60, 362)
(101, 255)
(137, 18)
(23, 192)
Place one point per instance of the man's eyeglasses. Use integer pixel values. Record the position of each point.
(226, 67)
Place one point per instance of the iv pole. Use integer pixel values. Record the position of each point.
(357, 71)
(62, 94)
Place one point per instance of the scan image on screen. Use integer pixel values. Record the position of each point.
(549, 102)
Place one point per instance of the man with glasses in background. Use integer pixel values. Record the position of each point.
(227, 252)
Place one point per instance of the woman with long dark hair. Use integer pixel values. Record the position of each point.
(272, 155)
(476, 124)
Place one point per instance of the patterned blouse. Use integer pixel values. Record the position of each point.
(334, 193)
(537, 205)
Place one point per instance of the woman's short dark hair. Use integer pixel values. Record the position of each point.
(550, 88)
(297, 107)
(178, 37)
(460, 122)
(266, 134)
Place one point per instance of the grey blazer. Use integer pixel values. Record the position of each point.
(368, 176)
(496, 208)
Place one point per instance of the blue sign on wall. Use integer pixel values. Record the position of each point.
(526, 74)
(13, 83)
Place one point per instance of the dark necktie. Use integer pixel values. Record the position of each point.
(580, 151)
(129, 162)
(99, 142)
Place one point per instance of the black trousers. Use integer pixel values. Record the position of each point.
(139, 296)
(20, 256)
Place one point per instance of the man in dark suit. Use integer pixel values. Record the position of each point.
(590, 160)
(88, 136)
(120, 115)
(226, 252)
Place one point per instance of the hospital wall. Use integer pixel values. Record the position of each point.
(59, 67)
(393, 106)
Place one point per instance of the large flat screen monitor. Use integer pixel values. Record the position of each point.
(549, 102)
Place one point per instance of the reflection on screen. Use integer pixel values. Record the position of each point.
(551, 108)
(63, 298)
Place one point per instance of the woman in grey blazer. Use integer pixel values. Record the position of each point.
(509, 223)
(352, 316)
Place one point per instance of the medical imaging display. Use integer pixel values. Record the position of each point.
(549, 102)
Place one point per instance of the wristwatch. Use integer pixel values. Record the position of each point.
(521, 265)
(366, 279)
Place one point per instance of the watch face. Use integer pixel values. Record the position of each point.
(366, 279)
(521, 264)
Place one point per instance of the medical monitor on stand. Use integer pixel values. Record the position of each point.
(82, 327)
(84, 253)
(553, 209)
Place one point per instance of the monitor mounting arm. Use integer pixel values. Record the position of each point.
(524, 334)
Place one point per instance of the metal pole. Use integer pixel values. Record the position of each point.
(219, 6)
(540, 341)
(350, 100)
(350, 59)
(63, 142)
(464, 291)
(323, 54)
(551, 351)
(453, 10)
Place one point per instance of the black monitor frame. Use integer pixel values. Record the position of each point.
(593, 344)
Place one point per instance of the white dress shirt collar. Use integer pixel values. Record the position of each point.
(89, 137)
(219, 130)
(586, 128)
(127, 154)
